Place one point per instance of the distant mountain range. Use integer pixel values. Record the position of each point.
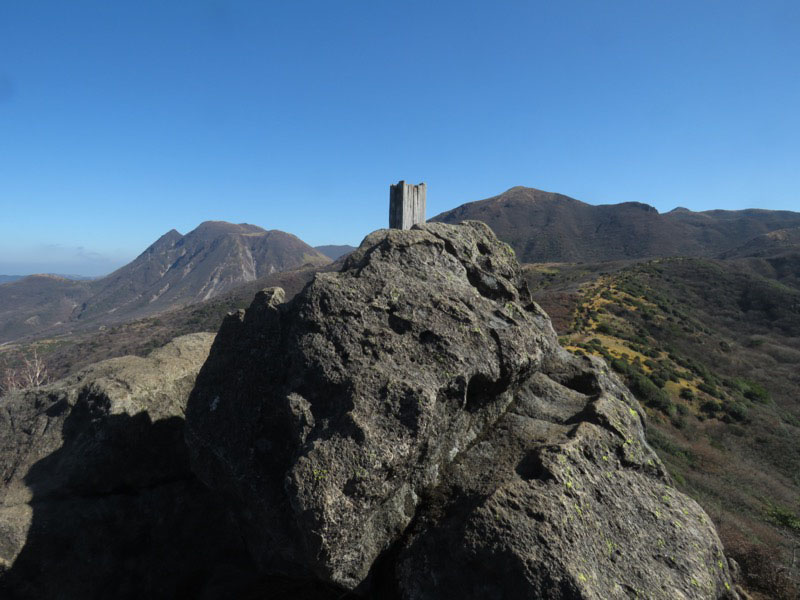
(542, 227)
(175, 270)
(10, 278)
(547, 227)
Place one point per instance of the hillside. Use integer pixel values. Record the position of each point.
(176, 270)
(334, 252)
(37, 302)
(65, 354)
(711, 349)
(547, 227)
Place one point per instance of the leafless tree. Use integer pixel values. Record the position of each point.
(30, 374)
(34, 373)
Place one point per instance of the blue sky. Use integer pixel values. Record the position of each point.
(121, 120)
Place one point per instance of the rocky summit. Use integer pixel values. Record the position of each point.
(410, 428)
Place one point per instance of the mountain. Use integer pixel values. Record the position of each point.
(546, 227)
(9, 278)
(179, 270)
(335, 252)
(176, 270)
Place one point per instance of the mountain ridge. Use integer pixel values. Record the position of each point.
(174, 270)
(549, 227)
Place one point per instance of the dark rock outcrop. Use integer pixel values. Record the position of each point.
(409, 427)
(97, 499)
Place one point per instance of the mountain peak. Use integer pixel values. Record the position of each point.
(639, 206)
(217, 228)
(529, 191)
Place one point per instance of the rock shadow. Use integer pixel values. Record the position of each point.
(117, 513)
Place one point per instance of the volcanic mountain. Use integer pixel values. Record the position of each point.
(547, 227)
(176, 270)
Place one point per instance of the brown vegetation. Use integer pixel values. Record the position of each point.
(711, 350)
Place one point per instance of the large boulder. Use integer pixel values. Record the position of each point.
(409, 427)
(96, 498)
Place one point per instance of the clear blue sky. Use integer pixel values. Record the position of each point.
(120, 120)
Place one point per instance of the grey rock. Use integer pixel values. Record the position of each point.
(410, 427)
(563, 499)
(96, 498)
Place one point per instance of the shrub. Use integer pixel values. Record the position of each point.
(605, 328)
(620, 366)
(736, 411)
(708, 389)
(646, 391)
(658, 379)
(757, 393)
(784, 517)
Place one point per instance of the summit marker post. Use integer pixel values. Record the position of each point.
(406, 205)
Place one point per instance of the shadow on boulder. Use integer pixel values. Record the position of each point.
(116, 513)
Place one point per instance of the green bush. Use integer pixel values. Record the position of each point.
(736, 411)
(658, 380)
(783, 517)
(708, 389)
(605, 328)
(756, 392)
(647, 392)
(620, 366)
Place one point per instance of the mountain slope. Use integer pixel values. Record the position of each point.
(774, 255)
(712, 350)
(38, 302)
(547, 227)
(174, 271)
(213, 258)
(334, 252)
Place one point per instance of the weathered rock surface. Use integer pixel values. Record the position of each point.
(409, 427)
(96, 498)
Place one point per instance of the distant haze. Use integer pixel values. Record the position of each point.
(54, 263)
